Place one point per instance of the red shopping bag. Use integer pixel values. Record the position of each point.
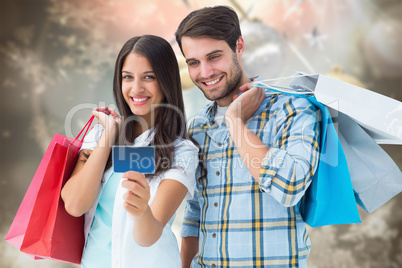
(42, 228)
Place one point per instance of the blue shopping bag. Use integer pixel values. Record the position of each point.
(330, 198)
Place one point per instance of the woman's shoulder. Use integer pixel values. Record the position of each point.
(93, 137)
(182, 144)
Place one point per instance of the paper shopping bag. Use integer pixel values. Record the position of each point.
(17, 230)
(379, 115)
(42, 228)
(330, 198)
(49, 209)
(364, 118)
(375, 176)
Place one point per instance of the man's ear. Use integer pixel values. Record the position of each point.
(240, 45)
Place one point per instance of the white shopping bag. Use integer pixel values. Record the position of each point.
(379, 115)
(364, 118)
(375, 176)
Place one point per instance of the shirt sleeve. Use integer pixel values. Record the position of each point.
(191, 221)
(184, 166)
(92, 138)
(289, 165)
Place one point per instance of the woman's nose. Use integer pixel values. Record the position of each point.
(137, 86)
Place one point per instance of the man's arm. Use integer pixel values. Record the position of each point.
(286, 169)
(189, 248)
(248, 145)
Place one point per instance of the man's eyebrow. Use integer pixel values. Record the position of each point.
(215, 51)
(209, 54)
(190, 59)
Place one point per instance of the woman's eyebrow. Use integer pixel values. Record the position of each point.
(146, 72)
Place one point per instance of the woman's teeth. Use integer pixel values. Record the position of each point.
(139, 100)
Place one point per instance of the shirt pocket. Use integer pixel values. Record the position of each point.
(238, 169)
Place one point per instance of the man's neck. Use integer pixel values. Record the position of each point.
(226, 101)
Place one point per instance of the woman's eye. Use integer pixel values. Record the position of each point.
(150, 77)
(127, 76)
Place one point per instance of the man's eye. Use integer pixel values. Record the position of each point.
(214, 57)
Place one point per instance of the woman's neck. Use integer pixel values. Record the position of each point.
(144, 123)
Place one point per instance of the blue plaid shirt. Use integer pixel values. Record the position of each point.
(243, 223)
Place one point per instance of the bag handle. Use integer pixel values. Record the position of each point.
(286, 90)
(86, 128)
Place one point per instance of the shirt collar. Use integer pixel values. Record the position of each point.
(212, 107)
(211, 110)
(145, 138)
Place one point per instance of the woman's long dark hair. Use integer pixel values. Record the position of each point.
(170, 121)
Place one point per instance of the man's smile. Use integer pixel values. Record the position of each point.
(212, 82)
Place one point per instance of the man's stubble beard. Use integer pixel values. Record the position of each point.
(232, 84)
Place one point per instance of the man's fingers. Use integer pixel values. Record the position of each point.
(245, 87)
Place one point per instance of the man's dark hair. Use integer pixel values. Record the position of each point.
(219, 22)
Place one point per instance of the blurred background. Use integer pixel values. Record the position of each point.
(57, 60)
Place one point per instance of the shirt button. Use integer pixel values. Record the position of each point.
(218, 173)
(213, 235)
(219, 144)
(213, 122)
(216, 204)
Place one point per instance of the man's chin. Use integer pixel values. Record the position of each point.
(207, 94)
(212, 97)
(215, 95)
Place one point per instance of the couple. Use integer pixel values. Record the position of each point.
(257, 156)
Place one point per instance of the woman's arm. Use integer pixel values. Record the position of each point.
(190, 232)
(80, 191)
(149, 221)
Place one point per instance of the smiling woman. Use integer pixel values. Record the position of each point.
(124, 217)
(140, 87)
(55, 55)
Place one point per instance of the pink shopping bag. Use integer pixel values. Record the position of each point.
(42, 228)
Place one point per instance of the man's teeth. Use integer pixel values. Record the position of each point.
(212, 82)
(142, 99)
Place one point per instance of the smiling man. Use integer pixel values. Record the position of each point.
(217, 73)
(260, 153)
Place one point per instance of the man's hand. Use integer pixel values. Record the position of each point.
(245, 105)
